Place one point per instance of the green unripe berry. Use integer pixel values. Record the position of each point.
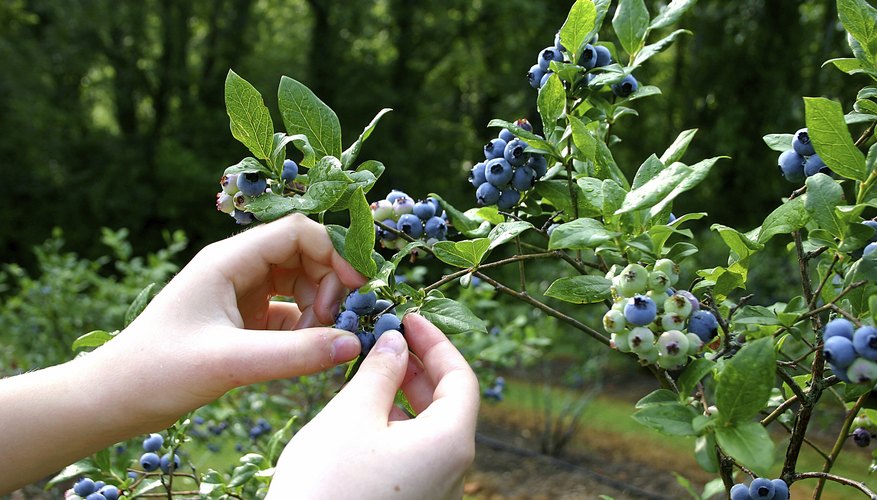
(613, 321)
(641, 340)
(621, 341)
(669, 268)
(659, 281)
(672, 321)
(678, 304)
(862, 371)
(658, 298)
(694, 343)
(620, 304)
(633, 279)
(650, 356)
(673, 344)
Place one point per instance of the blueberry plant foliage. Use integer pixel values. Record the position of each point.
(734, 375)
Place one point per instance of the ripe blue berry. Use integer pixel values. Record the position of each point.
(487, 194)
(424, 210)
(740, 492)
(557, 45)
(514, 152)
(476, 175)
(791, 165)
(252, 184)
(761, 489)
(411, 225)
(523, 178)
(625, 87)
(839, 351)
(95, 496)
(869, 249)
(153, 443)
(861, 437)
(360, 303)
(165, 463)
(366, 340)
(387, 322)
(604, 57)
(865, 342)
(640, 311)
(508, 198)
(436, 228)
(534, 76)
(801, 143)
(838, 326)
(814, 165)
(388, 235)
(547, 55)
(290, 172)
(873, 225)
(149, 461)
(243, 218)
(703, 324)
(780, 490)
(494, 149)
(396, 194)
(84, 487)
(588, 59)
(435, 203)
(524, 124)
(110, 492)
(347, 320)
(506, 135)
(383, 306)
(498, 172)
(539, 165)
(545, 78)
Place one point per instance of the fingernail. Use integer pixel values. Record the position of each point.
(345, 347)
(392, 342)
(334, 309)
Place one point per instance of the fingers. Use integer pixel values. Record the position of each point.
(251, 356)
(418, 385)
(371, 392)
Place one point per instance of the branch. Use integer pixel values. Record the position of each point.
(779, 410)
(837, 479)
(839, 443)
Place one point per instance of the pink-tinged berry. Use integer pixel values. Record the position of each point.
(224, 203)
(229, 184)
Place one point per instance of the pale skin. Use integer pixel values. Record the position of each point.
(214, 328)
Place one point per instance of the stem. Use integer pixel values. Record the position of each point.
(516, 258)
(819, 288)
(779, 410)
(523, 276)
(806, 286)
(837, 479)
(839, 443)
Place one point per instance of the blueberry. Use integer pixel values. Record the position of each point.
(395, 194)
(506, 135)
(839, 351)
(229, 184)
(366, 340)
(673, 346)
(383, 306)
(534, 76)
(360, 303)
(841, 373)
(153, 443)
(780, 490)
(381, 210)
(640, 311)
(588, 59)
(678, 304)
(476, 175)
(547, 55)
(387, 322)
(604, 57)
(524, 124)
(694, 343)
(388, 235)
(659, 281)
(740, 492)
(761, 489)
(411, 225)
(243, 218)
(672, 321)
(869, 249)
(625, 87)
(557, 45)
(224, 203)
(514, 152)
(498, 172)
(801, 143)
(99, 484)
(347, 320)
(613, 321)
(435, 203)
(865, 342)
(402, 205)
(523, 178)
(814, 165)
(641, 340)
(494, 149)
(704, 324)
(632, 280)
(668, 267)
(508, 198)
(539, 165)
(290, 172)
(436, 228)
(84, 487)
(487, 194)
(862, 371)
(96, 496)
(424, 210)
(110, 492)
(695, 304)
(873, 225)
(791, 165)
(545, 78)
(252, 184)
(838, 326)
(149, 461)
(132, 475)
(862, 437)
(165, 463)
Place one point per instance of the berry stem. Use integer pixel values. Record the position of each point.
(837, 479)
(839, 443)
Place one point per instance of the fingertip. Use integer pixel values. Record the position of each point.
(345, 347)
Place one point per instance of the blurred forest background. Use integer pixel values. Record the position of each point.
(112, 112)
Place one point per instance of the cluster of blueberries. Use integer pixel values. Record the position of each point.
(593, 56)
(150, 460)
(801, 161)
(851, 352)
(424, 219)
(239, 189)
(368, 317)
(89, 489)
(495, 392)
(507, 170)
(761, 489)
(652, 320)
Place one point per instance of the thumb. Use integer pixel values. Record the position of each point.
(371, 392)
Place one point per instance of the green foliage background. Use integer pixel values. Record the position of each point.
(112, 113)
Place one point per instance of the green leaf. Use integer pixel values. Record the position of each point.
(580, 289)
(450, 316)
(242, 474)
(647, 171)
(139, 303)
(698, 172)
(848, 65)
(349, 155)
(248, 165)
(300, 141)
(145, 486)
(705, 454)
(327, 183)
(533, 141)
(556, 192)
(582, 138)
(613, 196)
(823, 195)
(279, 439)
(831, 138)
(465, 254)
(468, 226)
(551, 103)
(579, 24)
(673, 418)
(748, 443)
(95, 338)
(360, 239)
(656, 48)
(740, 245)
(694, 372)
(657, 396)
(779, 142)
(506, 231)
(250, 119)
(304, 113)
(363, 178)
(590, 196)
(860, 20)
(631, 22)
(788, 217)
(671, 13)
(580, 234)
(744, 384)
(607, 168)
(79, 469)
(676, 150)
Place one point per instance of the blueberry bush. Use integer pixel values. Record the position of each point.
(734, 375)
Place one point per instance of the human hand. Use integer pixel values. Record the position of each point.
(362, 446)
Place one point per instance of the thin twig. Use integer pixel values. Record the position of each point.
(837, 479)
(839, 443)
